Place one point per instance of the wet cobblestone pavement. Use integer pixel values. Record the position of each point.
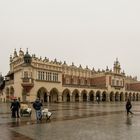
(74, 121)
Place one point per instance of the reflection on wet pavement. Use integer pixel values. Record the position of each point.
(73, 121)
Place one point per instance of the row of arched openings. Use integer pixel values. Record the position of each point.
(76, 95)
(84, 96)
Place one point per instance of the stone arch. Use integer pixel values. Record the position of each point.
(130, 96)
(126, 96)
(91, 96)
(111, 96)
(66, 95)
(98, 95)
(133, 97)
(117, 96)
(75, 95)
(121, 96)
(84, 95)
(54, 95)
(137, 96)
(104, 96)
(42, 94)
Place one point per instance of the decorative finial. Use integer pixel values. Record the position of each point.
(107, 68)
(80, 66)
(27, 50)
(72, 64)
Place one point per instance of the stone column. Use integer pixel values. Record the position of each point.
(113, 98)
(71, 98)
(123, 98)
(59, 98)
(139, 97)
(48, 98)
(87, 97)
(118, 98)
(101, 98)
(94, 99)
(80, 98)
(107, 97)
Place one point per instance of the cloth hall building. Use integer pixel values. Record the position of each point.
(52, 81)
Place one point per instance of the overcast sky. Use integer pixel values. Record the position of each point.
(86, 32)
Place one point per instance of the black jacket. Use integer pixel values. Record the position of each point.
(128, 105)
(15, 105)
(37, 105)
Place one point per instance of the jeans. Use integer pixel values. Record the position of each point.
(38, 114)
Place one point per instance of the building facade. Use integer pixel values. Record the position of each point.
(52, 81)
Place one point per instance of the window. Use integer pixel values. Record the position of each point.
(48, 76)
(117, 83)
(113, 82)
(25, 74)
(67, 81)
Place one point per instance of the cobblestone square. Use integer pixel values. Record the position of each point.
(74, 121)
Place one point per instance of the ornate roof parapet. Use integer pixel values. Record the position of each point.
(98, 71)
(27, 58)
(51, 62)
(60, 63)
(131, 79)
(135, 78)
(72, 65)
(117, 67)
(80, 67)
(93, 69)
(15, 54)
(123, 73)
(64, 63)
(40, 58)
(33, 56)
(55, 61)
(103, 70)
(45, 59)
(107, 69)
(87, 68)
(11, 59)
(21, 53)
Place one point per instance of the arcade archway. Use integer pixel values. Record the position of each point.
(42, 94)
(84, 95)
(54, 95)
(91, 96)
(75, 95)
(66, 95)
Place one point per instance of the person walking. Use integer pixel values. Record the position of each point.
(15, 106)
(37, 106)
(128, 107)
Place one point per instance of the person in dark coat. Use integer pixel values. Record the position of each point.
(128, 107)
(37, 106)
(15, 106)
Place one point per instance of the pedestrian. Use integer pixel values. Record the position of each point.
(37, 106)
(15, 106)
(128, 107)
(97, 98)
